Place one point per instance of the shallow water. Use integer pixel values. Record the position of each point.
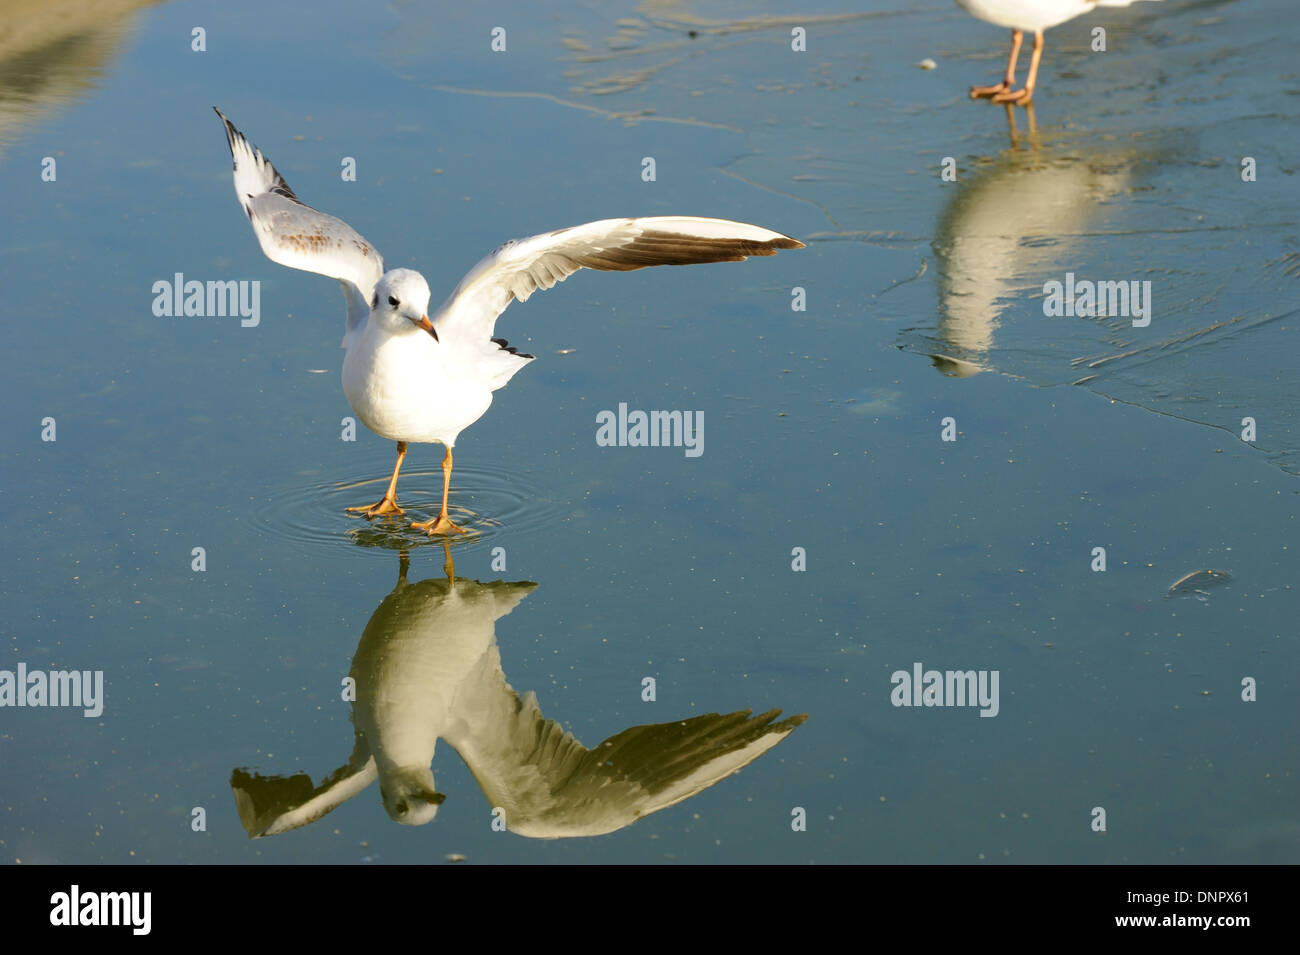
(925, 300)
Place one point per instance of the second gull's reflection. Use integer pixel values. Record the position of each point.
(1022, 218)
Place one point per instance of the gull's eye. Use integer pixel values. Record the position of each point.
(393, 301)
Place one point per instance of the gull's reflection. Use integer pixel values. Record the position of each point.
(1031, 126)
(1024, 215)
(52, 51)
(428, 667)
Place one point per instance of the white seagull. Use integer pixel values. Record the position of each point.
(412, 377)
(1021, 15)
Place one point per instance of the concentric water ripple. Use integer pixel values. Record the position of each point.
(486, 501)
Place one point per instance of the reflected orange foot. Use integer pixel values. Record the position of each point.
(986, 92)
(387, 506)
(442, 525)
(1020, 97)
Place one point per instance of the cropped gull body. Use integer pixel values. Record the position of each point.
(410, 376)
(1034, 16)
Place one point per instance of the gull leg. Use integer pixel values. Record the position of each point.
(443, 524)
(1023, 97)
(388, 503)
(977, 92)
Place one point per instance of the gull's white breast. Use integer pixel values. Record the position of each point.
(410, 676)
(408, 388)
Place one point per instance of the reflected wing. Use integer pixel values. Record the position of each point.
(294, 234)
(522, 266)
(270, 805)
(551, 786)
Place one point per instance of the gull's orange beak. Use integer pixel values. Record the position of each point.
(428, 327)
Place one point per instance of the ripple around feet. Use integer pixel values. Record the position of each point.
(484, 500)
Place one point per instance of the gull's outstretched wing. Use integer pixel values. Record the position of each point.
(294, 234)
(520, 267)
(551, 786)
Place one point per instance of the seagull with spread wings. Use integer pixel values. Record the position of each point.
(410, 376)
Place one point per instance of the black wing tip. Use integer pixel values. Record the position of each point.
(233, 137)
(231, 133)
(674, 248)
(771, 246)
(767, 721)
(506, 346)
(792, 721)
(278, 184)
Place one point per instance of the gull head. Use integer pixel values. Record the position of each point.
(401, 303)
(409, 796)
